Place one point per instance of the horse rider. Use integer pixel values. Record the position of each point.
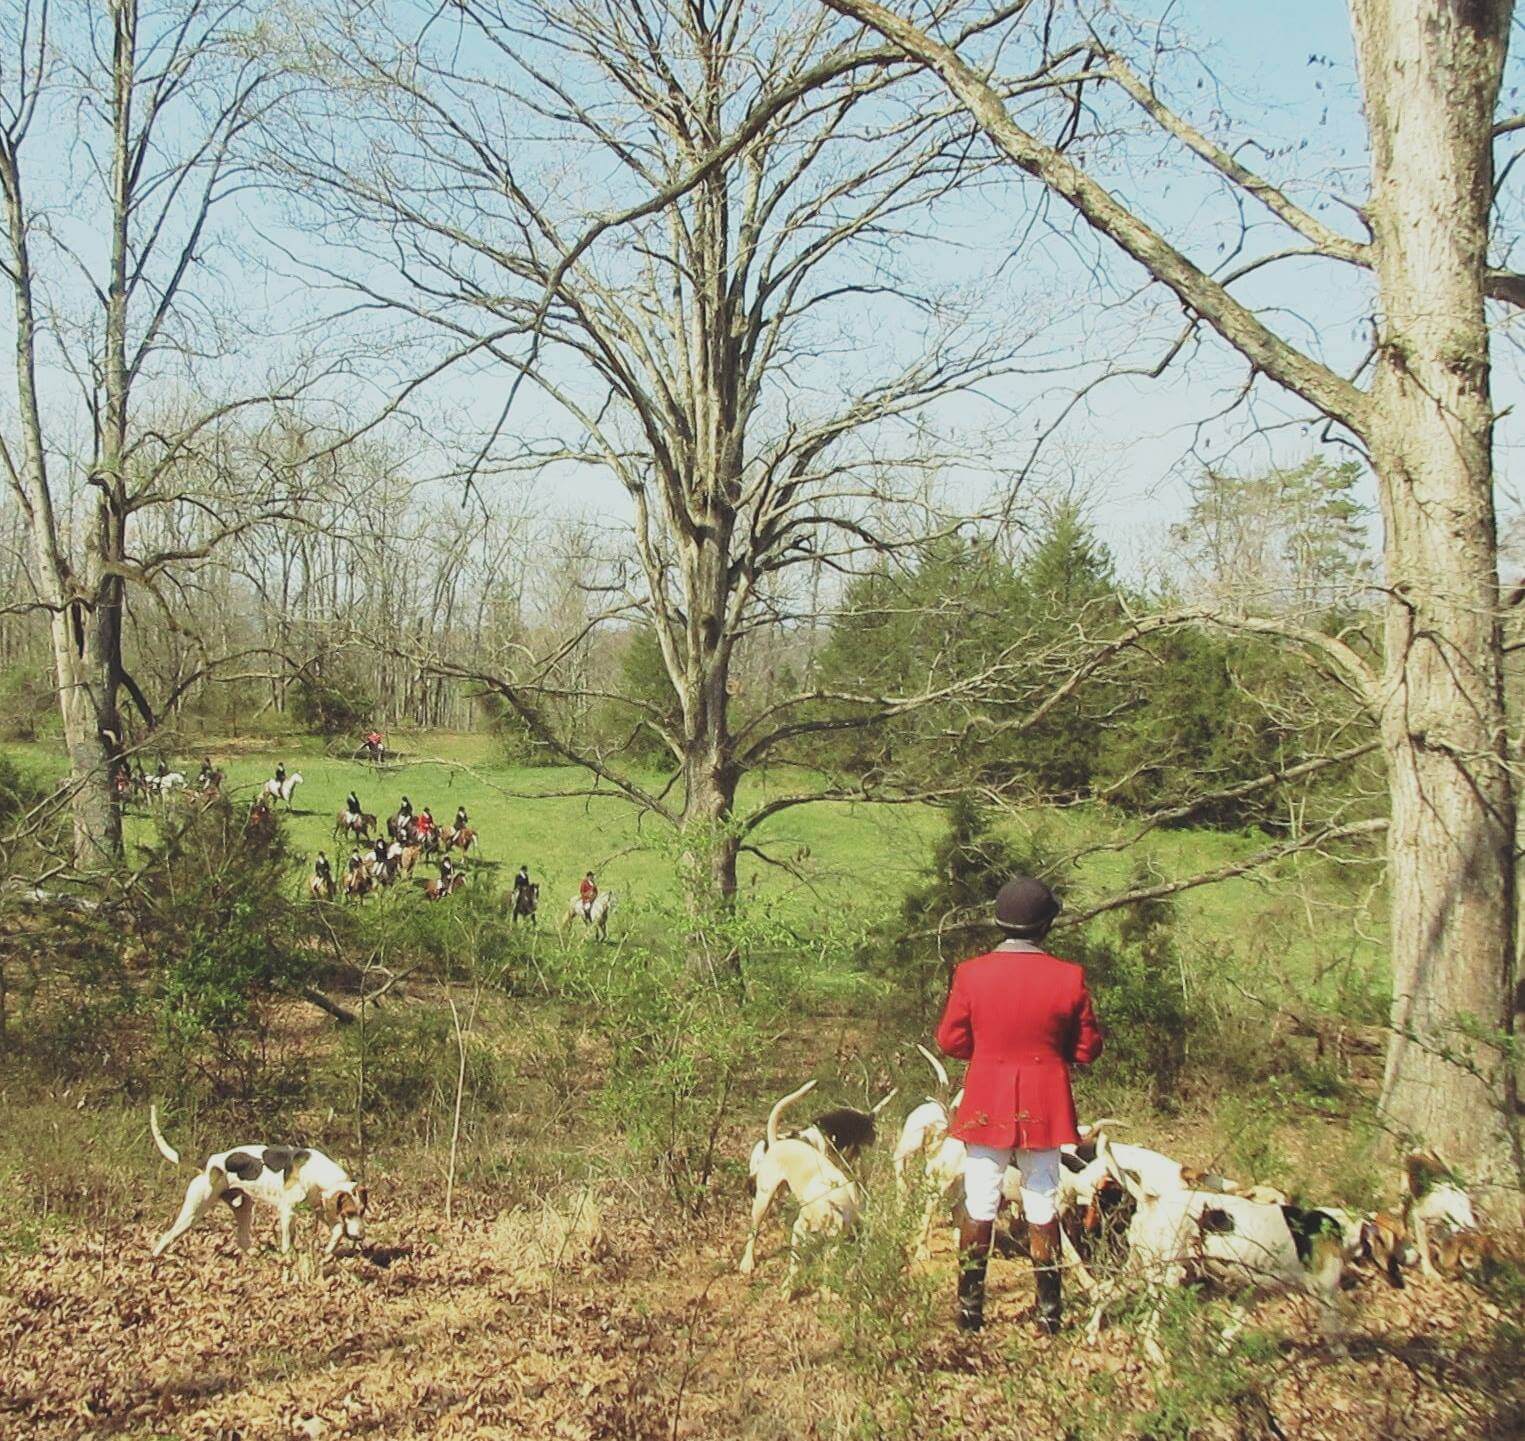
(375, 743)
(204, 775)
(521, 881)
(446, 871)
(323, 871)
(460, 818)
(162, 769)
(352, 807)
(1021, 1019)
(587, 893)
(379, 852)
(280, 774)
(425, 825)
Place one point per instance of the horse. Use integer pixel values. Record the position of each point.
(597, 916)
(358, 882)
(164, 785)
(465, 838)
(438, 890)
(526, 900)
(348, 824)
(261, 825)
(282, 790)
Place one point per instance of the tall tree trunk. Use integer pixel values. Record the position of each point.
(710, 843)
(92, 743)
(1431, 75)
(86, 688)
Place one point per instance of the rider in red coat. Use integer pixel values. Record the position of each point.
(1021, 1019)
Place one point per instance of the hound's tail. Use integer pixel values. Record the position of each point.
(1106, 1123)
(936, 1065)
(780, 1106)
(882, 1104)
(166, 1150)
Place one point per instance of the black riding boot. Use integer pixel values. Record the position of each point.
(1044, 1244)
(973, 1257)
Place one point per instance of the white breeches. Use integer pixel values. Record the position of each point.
(984, 1168)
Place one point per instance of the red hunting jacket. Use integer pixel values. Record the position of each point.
(1021, 1019)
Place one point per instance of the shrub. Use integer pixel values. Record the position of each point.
(1140, 994)
(225, 943)
(26, 702)
(679, 1048)
(403, 1064)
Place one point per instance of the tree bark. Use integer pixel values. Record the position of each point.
(710, 772)
(92, 731)
(1430, 74)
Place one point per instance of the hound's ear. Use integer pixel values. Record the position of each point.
(362, 1196)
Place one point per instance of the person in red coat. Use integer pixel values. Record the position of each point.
(1021, 1019)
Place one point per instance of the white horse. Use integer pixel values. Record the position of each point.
(283, 790)
(163, 785)
(596, 916)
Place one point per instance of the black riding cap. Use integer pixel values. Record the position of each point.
(1025, 904)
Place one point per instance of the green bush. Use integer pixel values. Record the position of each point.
(403, 1063)
(225, 944)
(1137, 983)
(27, 706)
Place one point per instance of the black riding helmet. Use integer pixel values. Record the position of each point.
(1026, 908)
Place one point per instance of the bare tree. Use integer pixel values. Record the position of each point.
(107, 283)
(709, 355)
(1430, 74)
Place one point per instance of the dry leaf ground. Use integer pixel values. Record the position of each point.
(594, 1318)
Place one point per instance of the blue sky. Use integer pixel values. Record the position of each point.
(1287, 79)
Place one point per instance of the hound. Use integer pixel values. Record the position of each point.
(1155, 1171)
(1376, 1237)
(1223, 1237)
(282, 1177)
(842, 1133)
(1441, 1216)
(829, 1202)
(923, 1131)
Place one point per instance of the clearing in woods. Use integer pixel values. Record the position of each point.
(564, 1301)
(860, 859)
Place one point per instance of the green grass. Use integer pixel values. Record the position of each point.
(859, 860)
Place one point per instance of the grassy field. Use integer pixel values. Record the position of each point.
(1318, 923)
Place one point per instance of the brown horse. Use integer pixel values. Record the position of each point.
(261, 825)
(360, 826)
(438, 890)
